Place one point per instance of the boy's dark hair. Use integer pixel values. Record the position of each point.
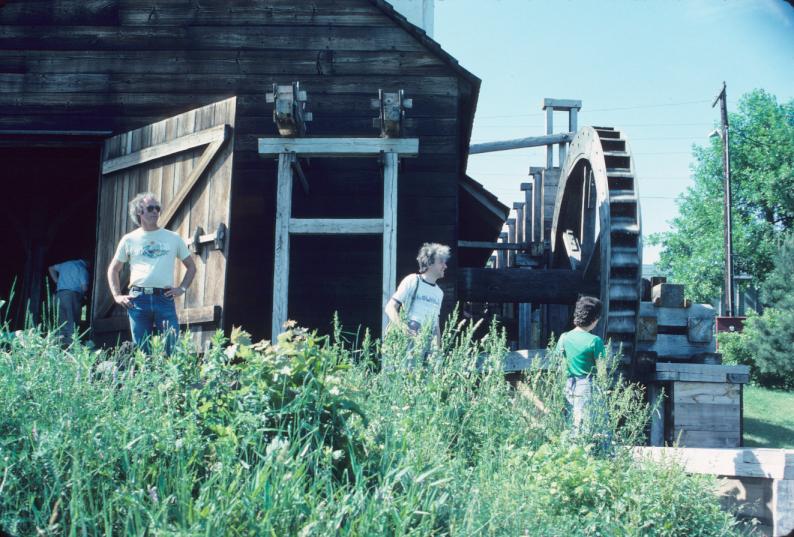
(587, 310)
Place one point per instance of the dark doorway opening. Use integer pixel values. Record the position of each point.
(49, 216)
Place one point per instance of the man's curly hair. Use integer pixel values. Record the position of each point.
(429, 252)
(587, 310)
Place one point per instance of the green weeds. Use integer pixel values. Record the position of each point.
(310, 437)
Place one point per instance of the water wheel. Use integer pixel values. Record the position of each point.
(596, 229)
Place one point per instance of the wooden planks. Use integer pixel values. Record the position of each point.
(247, 12)
(553, 286)
(390, 198)
(187, 317)
(340, 147)
(200, 37)
(282, 63)
(132, 63)
(333, 226)
(281, 256)
(739, 462)
(738, 374)
(706, 414)
(766, 476)
(214, 134)
(192, 182)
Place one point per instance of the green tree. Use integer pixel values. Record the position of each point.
(762, 181)
(770, 336)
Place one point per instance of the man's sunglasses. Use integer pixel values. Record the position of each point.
(152, 208)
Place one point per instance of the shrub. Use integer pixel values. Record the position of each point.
(770, 336)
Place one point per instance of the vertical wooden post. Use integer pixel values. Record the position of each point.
(563, 147)
(520, 230)
(550, 130)
(511, 237)
(281, 257)
(657, 417)
(573, 120)
(501, 255)
(538, 222)
(529, 212)
(390, 161)
(524, 325)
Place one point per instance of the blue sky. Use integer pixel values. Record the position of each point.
(651, 69)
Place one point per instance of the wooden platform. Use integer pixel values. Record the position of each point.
(758, 483)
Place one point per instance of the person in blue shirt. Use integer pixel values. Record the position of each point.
(71, 279)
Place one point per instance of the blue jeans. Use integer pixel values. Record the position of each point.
(153, 314)
(579, 392)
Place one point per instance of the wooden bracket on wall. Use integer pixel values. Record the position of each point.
(289, 109)
(391, 115)
(199, 239)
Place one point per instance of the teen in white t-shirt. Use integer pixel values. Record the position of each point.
(420, 294)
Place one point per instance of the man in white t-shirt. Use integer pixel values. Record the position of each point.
(419, 293)
(151, 251)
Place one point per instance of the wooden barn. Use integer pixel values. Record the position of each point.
(101, 99)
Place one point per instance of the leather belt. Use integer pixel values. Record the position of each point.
(148, 290)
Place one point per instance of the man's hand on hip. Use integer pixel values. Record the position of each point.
(123, 300)
(174, 292)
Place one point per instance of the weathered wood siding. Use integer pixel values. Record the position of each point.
(122, 64)
(707, 414)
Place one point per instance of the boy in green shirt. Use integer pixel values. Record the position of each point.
(581, 349)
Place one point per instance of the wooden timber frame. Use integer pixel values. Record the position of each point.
(288, 152)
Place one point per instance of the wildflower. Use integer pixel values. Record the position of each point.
(153, 494)
(276, 445)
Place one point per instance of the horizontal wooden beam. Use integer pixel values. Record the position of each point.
(177, 145)
(339, 147)
(335, 226)
(562, 104)
(736, 462)
(676, 316)
(520, 143)
(555, 286)
(674, 346)
(23, 132)
(737, 374)
(488, 245)
(203, 314)
(524, 359)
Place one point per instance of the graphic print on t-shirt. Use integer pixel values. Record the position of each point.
(154, 249)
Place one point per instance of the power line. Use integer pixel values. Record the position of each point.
(635, 107)
(632, 139)
(618, 124)
(642, 178)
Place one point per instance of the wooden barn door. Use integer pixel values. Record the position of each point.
(186, 161)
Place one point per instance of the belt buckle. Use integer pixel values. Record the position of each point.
(148, 290)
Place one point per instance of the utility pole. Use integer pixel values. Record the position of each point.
(727, 229)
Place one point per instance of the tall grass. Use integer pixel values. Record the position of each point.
(311, 437)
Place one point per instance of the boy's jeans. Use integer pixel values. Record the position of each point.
(152, 314)
(579, 392)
